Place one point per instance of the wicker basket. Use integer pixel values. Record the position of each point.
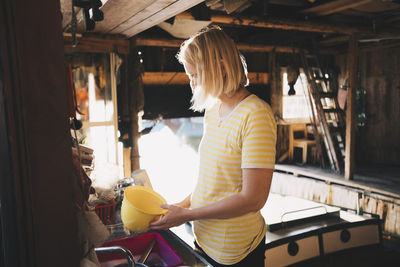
(106, 212)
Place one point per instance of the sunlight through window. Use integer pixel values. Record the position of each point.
(295, 106)
(170, 158)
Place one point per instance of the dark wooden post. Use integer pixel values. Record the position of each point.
(352, 59)
(136, 102)
(135, 157)
(275, 85)
(39, 227)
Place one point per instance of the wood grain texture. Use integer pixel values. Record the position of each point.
(143, 15)
(119, 11)
(97, 45)
(160, 15)
(334, 7)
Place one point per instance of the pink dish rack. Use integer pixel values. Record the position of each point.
(162, 255)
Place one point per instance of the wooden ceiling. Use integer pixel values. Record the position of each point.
(333, 20)
(130, 17)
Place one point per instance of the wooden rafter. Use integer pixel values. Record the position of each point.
(97, 45)
(180, 78)
(266, 48)
(276, 23)
(291, 24)
(143, 41)
(335, 40)
(334, 7)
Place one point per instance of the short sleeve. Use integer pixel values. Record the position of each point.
(259, 140)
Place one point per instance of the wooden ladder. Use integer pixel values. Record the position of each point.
(329, 120)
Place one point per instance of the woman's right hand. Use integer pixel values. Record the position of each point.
(175, 216)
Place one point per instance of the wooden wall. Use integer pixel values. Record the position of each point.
(379, 140)
(40, 190)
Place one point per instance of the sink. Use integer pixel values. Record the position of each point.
(161, 255)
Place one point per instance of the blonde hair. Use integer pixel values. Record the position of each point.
(220, 67)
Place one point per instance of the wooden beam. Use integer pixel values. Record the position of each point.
(334, 40)
(352, 59)
(283, 24)
(97, 45)
(127, 161)
(135, 156)
(156, 16)
(165, 78)
(266, 48)
(379, 46)
(362, 47)
(143, 41)
(290, 24)
(334, 7)
(276, 85)
(180, 78)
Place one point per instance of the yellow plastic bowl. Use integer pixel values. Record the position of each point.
(140, 206)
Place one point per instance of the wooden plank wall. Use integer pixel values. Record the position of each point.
(42, 187)
(379, 141)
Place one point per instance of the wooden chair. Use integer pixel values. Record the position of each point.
(298, 137)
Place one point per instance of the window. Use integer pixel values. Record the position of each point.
(295, 107)
(96, 101)
(169, 154)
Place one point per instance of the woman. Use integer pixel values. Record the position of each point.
(237, 155)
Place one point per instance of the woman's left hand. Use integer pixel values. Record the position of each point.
(175, 216)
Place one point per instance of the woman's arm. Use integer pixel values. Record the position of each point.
(254, 194)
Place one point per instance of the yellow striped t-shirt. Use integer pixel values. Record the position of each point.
(244, 139)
